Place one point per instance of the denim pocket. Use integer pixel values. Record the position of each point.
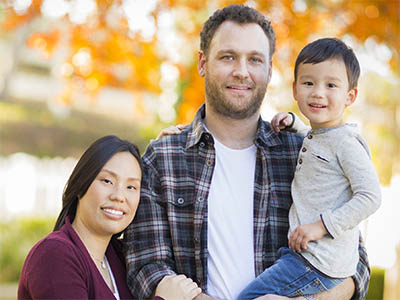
(313, 287)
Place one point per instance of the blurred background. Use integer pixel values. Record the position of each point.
(74, 70)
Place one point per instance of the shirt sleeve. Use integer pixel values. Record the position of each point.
(298, 126)
(362, 276)
(148, 246)
(52, 271)
(354, 160)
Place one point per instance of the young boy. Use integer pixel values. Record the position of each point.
(335, 185)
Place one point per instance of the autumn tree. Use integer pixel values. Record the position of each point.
(108, 47)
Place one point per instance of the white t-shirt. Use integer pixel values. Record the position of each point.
(230, 222)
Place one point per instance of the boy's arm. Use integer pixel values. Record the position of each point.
(358, 168)
(354, 160)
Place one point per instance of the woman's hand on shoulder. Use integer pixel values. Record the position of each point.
(173, 129)
(173, 287)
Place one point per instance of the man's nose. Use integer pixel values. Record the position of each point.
(241, 69)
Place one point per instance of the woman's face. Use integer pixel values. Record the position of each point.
(110, 203)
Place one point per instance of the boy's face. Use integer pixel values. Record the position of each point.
(322, 92)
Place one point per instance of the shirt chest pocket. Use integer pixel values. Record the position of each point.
(320, 164)
(182, 200)
(320, 157)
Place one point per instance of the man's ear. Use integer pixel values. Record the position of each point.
(294, 90)
(202, 64)
(269, 72)
(351, 97)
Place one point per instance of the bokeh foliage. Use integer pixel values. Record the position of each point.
(125, 59)
(16, 239)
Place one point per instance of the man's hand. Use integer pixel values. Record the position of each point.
(299, 238)
(273, 297)
(281, 120)
(204, 297)
(174, 287)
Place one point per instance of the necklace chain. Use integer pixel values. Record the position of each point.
(101, 261)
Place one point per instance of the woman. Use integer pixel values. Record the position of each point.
(81, 258)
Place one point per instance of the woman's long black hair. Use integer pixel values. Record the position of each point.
(86, 170)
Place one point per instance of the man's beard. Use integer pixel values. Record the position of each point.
(218, 102)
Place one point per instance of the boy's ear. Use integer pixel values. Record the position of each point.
(351, 97)
(202, 64)
(294, 90)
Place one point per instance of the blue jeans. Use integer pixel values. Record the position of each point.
(289, 276)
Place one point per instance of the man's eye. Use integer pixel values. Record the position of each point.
(331, 85)
(131, 187)
(307, 83)
(256, 60)
(227, 57)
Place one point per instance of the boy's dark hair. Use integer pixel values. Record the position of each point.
(240, 14)
(330, 48)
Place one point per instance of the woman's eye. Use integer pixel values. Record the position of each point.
(308, 83)
(105, 180)
(331, 85)
(132, 187)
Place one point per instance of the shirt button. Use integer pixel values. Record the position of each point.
(200, 199)
(300, 161)
(180, 201)
(209, 163)
(310, 137)
(304, 150)
(202, 144)
(206, 136)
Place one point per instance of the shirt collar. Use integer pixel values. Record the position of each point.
(198, 128)
(265, 135)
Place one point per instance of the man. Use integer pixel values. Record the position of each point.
(215, 198)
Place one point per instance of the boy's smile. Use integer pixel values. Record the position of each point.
(322, 92)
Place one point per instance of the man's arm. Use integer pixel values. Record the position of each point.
(354, 288)
(204, 297)
(148, 250)
(343, 291)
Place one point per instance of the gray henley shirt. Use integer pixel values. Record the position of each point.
(335, 181)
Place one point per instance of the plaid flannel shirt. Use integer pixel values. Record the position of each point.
(169, 232)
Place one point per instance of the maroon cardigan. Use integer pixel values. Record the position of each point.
(60, 267)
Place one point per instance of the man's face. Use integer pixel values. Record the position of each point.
(237, 70)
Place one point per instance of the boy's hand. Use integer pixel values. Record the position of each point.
(299, 238)
(281, 120)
